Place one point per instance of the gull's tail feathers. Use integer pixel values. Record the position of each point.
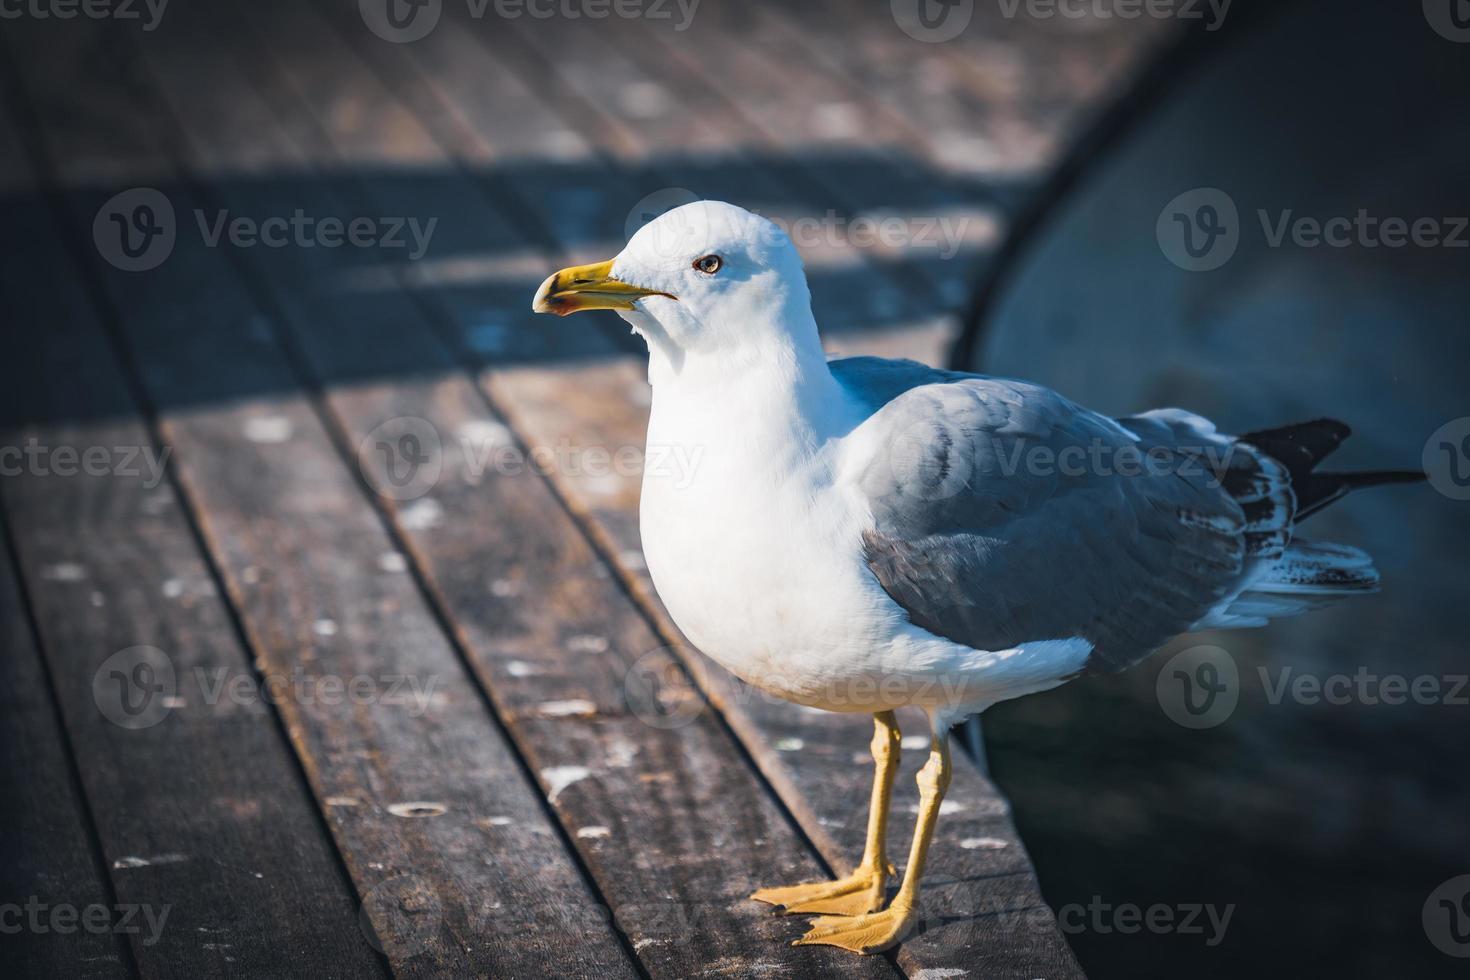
(1294, 575)
(1307, 576)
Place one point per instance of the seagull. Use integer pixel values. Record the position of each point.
(865, 534)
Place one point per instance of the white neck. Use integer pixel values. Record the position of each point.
(776, 397)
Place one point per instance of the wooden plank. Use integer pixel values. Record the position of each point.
(585, 201)
(998, 916)
(440, 828)
(997, 101)
(655, 810)
(858, 154)
(193, 794)
(49, 861)
(636, 104)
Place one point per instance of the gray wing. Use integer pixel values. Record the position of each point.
(1004, 513)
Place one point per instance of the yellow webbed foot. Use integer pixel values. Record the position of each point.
(861, 934)
(859, 892)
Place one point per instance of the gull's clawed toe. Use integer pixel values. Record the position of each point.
(860, 892)
(871, 933)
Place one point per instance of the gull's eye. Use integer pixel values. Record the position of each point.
(709, 264)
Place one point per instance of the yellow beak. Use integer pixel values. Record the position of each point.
(587, 287)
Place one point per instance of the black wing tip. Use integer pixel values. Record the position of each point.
(1315, 439)
(1375, 478)
(1302, 447)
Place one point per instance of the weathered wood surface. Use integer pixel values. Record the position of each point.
(432, 811)
(48, 850)
(203, 819)
(49, 860)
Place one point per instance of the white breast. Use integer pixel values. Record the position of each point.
(753, 572)
(755, 547)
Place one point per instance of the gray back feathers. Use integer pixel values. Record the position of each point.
(1003, 513)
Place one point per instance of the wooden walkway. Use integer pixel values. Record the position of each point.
(329, 649)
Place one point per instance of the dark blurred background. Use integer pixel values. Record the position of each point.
(1330, 818)
(1084, 194)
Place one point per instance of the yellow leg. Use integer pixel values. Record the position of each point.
(861, 891)
(881, 930)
